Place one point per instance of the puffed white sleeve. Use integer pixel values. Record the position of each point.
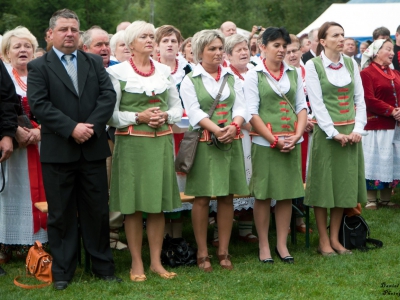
(251, 93)
(239, 106)
(316, 101)
(359, 101)
(175, 108)
(301, 102)
(120, 119)
(190, 102)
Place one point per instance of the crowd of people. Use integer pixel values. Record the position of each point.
(102, 114)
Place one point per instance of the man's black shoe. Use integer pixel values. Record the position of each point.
(60, 285)
(2, 272)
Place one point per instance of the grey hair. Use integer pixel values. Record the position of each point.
(87, 35)
(232, 41)
(310, 34)
(118, 37)
(203, 38)
(62, 13)
(133, 31)
(19, 32)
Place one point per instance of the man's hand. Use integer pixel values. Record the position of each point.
(82, 132)
(6, 148)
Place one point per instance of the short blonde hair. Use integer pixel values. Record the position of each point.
(133, 31)
(19, 32)
(232, 41)
(203, 38)
(118, 37)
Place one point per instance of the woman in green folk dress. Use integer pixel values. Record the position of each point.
(215, 172)
(143, 176)
(278, 127)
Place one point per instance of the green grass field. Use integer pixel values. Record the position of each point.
(358, 276)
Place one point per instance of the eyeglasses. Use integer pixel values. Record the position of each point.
(293, 51)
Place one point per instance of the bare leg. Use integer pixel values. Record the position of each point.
(134, 236)
(155, 233)
(321, 215)
(283, 213)
(200, 223)
(225, 221)
(334, 227)
(261, 213)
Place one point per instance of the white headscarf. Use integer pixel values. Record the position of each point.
(371, 52)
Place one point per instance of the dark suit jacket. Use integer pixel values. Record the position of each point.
(55, 103)
(307, 56)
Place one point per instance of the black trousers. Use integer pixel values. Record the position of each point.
(75, 192)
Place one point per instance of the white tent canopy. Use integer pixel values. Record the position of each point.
(360, 20)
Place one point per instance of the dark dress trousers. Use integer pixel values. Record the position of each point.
(74, 175)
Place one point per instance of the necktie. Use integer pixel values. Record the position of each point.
(71, 70)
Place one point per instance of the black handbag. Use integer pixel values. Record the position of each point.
(188, 147)
(354, 234)
(177, 252)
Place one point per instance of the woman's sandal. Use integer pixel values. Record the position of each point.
(223, 257)
(166, 275)
(201, 262)
(302, 228)
(137, 278)
(249, 238)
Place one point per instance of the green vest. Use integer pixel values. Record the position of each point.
(223, 111)
(140, 102)
(339, 101)
(274, 110)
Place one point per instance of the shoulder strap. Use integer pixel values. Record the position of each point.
(30, 287)
(283, 95)
(214, 105)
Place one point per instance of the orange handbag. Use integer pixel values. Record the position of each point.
(38, 264)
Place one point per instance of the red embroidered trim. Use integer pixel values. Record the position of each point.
(343, 97)
(284, 110)
(343, 90)
(344, 111)
(282, 103)
(285, 126)
(285, 119)
(154, 101)
(222, 113)
(344, 103)
(222, 121)
(220, 105)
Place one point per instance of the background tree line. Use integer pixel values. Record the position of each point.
(189, 16)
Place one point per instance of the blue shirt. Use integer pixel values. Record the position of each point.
(62, 59)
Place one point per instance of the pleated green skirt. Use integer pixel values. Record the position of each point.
(335, 173)
(276, 175)
(216, 172)
(143, 176)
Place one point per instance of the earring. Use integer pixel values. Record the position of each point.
(158, 53)
(177, 54)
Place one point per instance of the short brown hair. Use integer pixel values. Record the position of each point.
(167, 30)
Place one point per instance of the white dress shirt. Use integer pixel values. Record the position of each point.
(338, 78)
(192, 105)
(160, 81)
(252, 95)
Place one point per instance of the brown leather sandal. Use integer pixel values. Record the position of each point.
(225, 257)
(201, 261)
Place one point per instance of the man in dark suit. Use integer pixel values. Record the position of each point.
(313, 37)
(71, 94)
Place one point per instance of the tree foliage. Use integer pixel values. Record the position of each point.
(189, 16)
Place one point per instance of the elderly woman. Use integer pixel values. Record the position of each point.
(142, 176)
(186, 50)
(381, 93)
(21, 223)
(293, 58)
(335, 178)
(238, 54)
(215, 172)
(274, 92)
(118, 47)
(167, 40)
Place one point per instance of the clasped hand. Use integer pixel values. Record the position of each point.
(26, 136)
(396, 114)
(154, 117)
(226, 134)
(82, 132)
(288, 143)
(351, 138)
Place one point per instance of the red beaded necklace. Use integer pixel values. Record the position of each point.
(176, 65)
(219, 73)
(21, 84)
(272, 75)
(152, 68)
(335, 67)
(236, 71)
